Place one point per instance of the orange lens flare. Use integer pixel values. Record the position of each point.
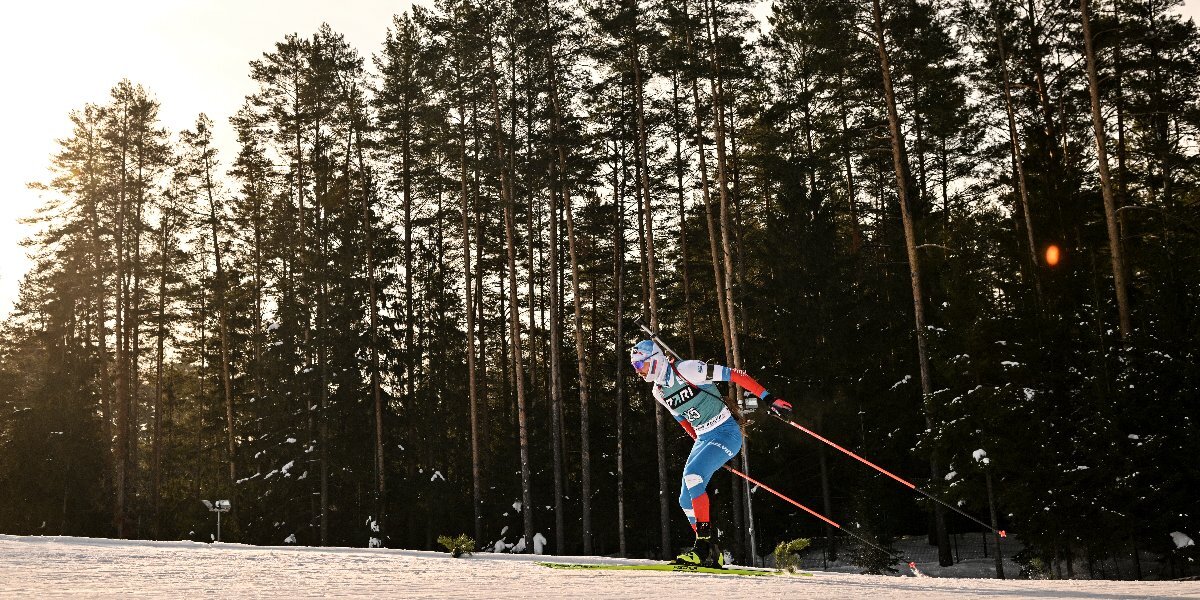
(1052, 255)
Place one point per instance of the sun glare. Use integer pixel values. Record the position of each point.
(192, 56)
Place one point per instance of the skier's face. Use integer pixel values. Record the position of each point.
(643, 358)
(642, 368)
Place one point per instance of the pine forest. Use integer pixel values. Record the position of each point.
(961, 237)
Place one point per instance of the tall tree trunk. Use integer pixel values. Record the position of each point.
(718, 275)
(506, 191)
(478, 481)
(534, 237)
(373, 313)
(581, 364)
(724, 225)
(619, 375)
(121, 373)
(257, 254)
(826, 498)
(161, 334)
(576, 295)
(987, 473)
(557, 188)
(298, 261)
(1017, 163)
(222, 316)
(651, 291)
(944, 557)
(718, 97)
(1122, 170)
(478, 468)
(406, 184)
(677, 127)
(201, 324)
(322, 336)
(1054, 152)
(922, 199)
(469, 310)
(1110, 211)
(555, 383)
(810, 170)
(851, 193)
(736, 196)
(99, 319)
(135, 331)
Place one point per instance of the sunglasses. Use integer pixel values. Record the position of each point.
(638, 365)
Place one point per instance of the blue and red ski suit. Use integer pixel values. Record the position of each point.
(687, 390)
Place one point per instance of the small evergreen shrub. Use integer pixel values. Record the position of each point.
(457, 546)
(787, 554)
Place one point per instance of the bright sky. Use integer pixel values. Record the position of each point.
(192, 55)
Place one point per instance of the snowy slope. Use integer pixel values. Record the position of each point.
(48, 567)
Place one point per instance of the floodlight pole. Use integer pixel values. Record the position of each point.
(218, 507)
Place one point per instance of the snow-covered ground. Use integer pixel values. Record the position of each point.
(49, 567)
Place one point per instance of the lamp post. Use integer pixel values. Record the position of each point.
(220, 506)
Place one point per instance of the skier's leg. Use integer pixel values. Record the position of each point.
(711, 450)
(685, 496)
(685, 502)
(697, 474)
(698, 471)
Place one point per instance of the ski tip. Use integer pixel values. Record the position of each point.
(1002, 533)
(912, 565)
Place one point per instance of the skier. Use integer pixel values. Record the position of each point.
(687, 390)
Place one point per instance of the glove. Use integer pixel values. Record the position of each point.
(777, 406)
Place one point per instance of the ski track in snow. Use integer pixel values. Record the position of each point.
(58, 567)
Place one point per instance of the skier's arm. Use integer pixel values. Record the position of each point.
(698, 372)
(748, 383)
(775, 406)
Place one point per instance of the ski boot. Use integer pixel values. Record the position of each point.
(705, 552)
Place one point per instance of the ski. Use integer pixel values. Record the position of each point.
(670, 567)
